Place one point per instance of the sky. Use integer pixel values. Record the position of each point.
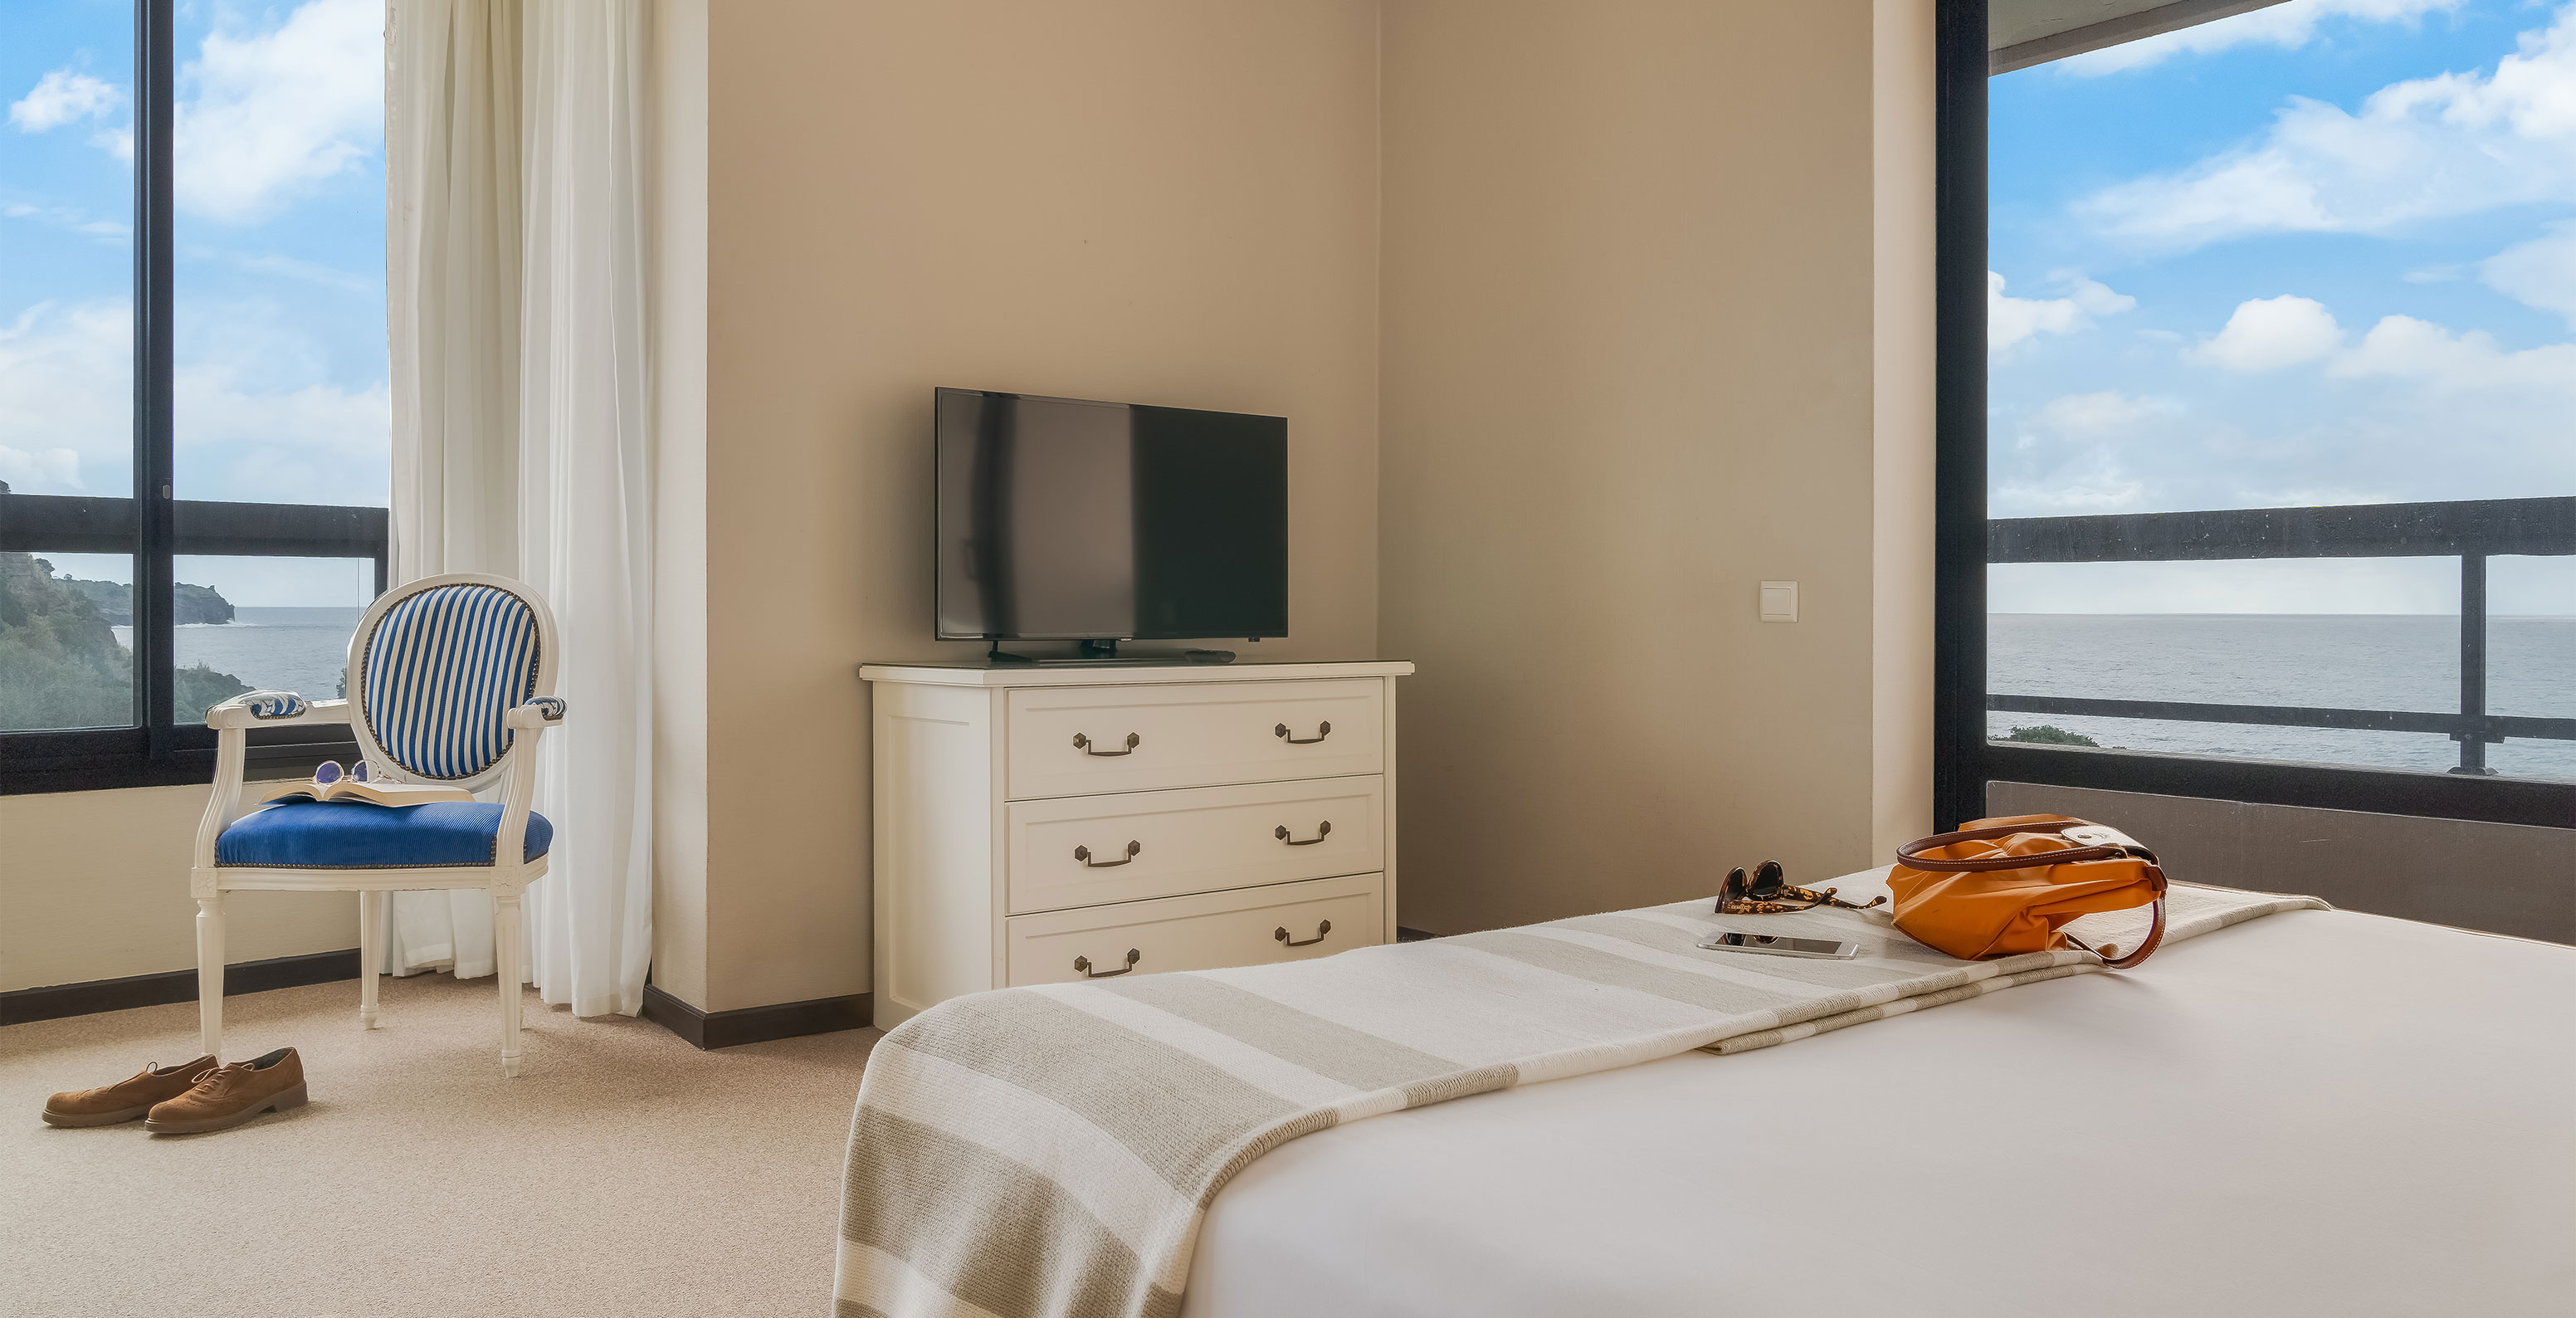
(2320, 253)
(2324, 252)
(280, 290)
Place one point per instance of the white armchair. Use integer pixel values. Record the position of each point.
(451, 681)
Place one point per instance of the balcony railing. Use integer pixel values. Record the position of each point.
(155, 751)
(77, 524)
(2469, 530)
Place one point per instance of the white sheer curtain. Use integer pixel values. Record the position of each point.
(515, 264)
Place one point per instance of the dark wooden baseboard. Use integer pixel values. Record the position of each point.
(724, 1029)
(59, 1000)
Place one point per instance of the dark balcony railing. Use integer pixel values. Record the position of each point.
(2469, 530)
(156, 751)
(77, 524)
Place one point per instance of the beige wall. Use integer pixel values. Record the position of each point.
(1628, 365)
(1904, 386)
(1149, 200)
(679, 351)
(94, 885)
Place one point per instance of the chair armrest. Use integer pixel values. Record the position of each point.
(231, 721)
(538, 714)
(519, 786)
(268, 709)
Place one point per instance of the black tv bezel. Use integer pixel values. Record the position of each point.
(938, 514)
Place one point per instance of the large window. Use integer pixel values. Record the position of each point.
(2275, 454)
(193, 404)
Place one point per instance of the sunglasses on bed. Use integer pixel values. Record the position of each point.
(1768, 892)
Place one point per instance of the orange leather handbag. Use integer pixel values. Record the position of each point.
(2002, 887)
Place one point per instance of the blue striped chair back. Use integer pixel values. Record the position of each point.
(441, 670)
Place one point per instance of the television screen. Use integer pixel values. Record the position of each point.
(1069, 520)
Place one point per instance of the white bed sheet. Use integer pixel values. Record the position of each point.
(2314, 1113)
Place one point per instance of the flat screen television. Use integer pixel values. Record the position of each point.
(1061, 519)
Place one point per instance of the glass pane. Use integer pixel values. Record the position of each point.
(66, 256)
(2282, 260)
(66, 658)
(275, 624)
(2531, 658)
(280, 234)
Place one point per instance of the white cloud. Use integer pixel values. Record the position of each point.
(50, 469)
(253, 423)
(2012, 320)
(65, 217)
(2540, 273)
(276, 112)
(2402, 347)
(2288, 26)
(2070, 456)
(63, 97)
(2266, 334)
(64, 399)
(2452, 144)
(2099, 415)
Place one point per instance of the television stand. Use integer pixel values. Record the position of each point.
(1095, 653)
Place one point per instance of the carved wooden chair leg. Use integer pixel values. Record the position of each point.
(371, 952)
(507, 959)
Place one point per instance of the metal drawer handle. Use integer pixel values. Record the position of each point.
(1083, 744)
(1083, 964)
(1322, 730)
(1322, 831)
(1321, 928)
(1083, 854)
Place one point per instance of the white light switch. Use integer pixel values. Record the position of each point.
(1779, 601)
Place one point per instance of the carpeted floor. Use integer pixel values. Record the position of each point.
(623, 1173)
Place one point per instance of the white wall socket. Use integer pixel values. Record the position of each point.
(1779, 601)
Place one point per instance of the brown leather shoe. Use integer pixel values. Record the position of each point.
(231, 1095)
(126, 1099)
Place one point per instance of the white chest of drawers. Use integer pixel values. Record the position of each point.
(1038, 825)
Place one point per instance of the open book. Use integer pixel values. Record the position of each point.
(329, 784)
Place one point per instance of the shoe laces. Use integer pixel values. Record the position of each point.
(216, 1081)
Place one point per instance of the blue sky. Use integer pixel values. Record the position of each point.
(2390, 185)
(2324, 252)
(280, 327)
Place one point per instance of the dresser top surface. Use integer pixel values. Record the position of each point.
(987, 674)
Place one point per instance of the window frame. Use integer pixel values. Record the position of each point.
(154, 527)
(1965, 760)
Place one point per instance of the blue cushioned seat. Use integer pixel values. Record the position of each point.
(362, 835)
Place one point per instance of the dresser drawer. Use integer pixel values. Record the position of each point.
(1202, 932)
(1076, 741)
(1085, 850)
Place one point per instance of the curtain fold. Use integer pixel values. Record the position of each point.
(585, 505)
(516, 295)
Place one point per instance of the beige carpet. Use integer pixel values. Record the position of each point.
(623, 1173)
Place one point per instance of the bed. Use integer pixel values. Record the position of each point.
(2286, 1111)
(2313, 1113)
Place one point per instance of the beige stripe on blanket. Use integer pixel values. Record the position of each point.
(1045, 1152)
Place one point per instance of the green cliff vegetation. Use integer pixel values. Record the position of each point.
(2049, 734)
(60, 665)
(115, 601)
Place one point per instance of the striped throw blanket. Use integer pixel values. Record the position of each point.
(1051, 1150)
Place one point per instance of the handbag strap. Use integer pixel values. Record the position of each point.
(1911, 854)
(2146, 946)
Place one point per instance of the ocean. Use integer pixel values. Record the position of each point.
(2346, 661)
(300, 650)
(2372, 661)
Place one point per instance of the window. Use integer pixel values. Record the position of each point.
(193, 400)
(2270, 411)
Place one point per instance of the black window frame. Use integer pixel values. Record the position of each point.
(154, 527)
(1965, 760)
